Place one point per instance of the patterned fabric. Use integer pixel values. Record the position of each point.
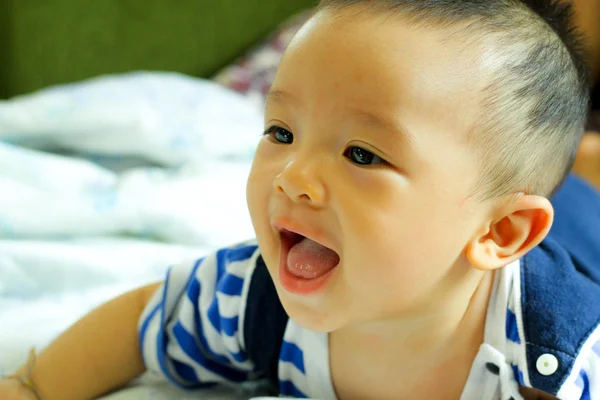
(584, 381)
(514, 332)
(192, 333)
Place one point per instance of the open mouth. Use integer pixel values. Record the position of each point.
(305, 258)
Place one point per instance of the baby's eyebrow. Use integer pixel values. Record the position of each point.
(380, 121)
(280, 96)
(365, 117)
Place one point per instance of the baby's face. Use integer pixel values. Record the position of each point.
(367, 154)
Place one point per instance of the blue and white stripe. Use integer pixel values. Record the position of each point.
(192, 333)
(293, 379)
(584, 381)
(515, 350)
(191, 330)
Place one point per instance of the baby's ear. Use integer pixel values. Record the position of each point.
(519, 225)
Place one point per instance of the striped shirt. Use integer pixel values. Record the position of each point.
(191, 332)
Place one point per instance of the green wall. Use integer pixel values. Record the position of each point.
(45, 42)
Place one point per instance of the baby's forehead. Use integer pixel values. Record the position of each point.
(462, 48)
(387, 64)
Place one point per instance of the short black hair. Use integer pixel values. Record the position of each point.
(536, 100)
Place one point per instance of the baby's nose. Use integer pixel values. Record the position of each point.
(302, 184)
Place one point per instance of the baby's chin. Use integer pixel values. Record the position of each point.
(310, 314)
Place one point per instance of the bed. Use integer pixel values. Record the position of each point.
(110, 168)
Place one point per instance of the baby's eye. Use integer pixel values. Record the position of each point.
(280, 135)
(360, 156)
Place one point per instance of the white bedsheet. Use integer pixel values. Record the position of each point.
(106, 183)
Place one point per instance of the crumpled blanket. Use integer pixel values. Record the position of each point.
(104, 184)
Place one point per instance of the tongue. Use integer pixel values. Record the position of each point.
(310, 260)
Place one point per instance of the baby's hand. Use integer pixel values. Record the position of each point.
(12, 389)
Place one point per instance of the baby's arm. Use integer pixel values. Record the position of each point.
(99, 353)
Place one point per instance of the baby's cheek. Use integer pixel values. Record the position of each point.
(405, 249)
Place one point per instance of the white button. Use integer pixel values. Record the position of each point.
(547, 364)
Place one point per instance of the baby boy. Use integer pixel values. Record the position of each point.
(400, 199)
